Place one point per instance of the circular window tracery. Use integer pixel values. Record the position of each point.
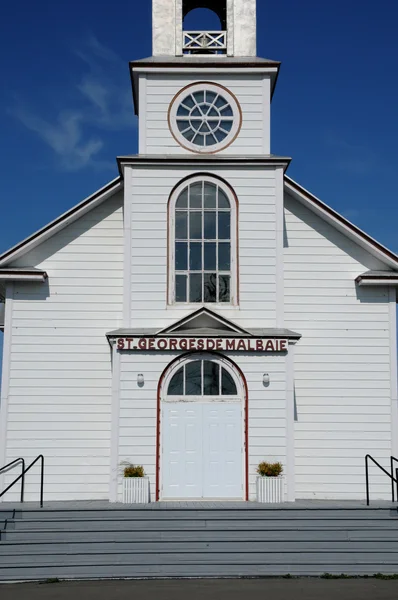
(205, 118)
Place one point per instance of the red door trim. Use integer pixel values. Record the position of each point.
(246, 419)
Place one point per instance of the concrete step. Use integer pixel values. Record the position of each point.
(176, 534)
(42, 551)
(213, 523)
(115, 571)
(220, 514)
(286, 558)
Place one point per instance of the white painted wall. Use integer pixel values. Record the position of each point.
(253, 92)
(146, 196)
(138, 410)
(342, 363)
(59, 400)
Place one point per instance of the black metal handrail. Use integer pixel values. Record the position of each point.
(392, 460)
(390, 475)
(10, 466)
(22, 476)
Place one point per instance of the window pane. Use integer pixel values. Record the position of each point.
(210, 97)
(223, 201)
(182, 201)
(226, 125)
(176, 384)
(228, 387)
(224, 226)
(224, 282)
(210, 287)
(199, 97)
(210, 225)
(181, 225)
(193, 378)
(195, 195)
(181, 288)
(195, 288)
(195, 256)
(220, 102)
(211, 378)
(189, 101)
(210, 195)
(224, 256)
(210, 256)
(181, 256)
(182, 111)
(200, 140)
(195, 225)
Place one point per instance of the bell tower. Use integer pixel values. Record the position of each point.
(236, 37)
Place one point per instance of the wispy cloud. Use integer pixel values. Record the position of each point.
(77, 135)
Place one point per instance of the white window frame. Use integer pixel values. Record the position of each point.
(203, 87)
(234, 244)
(220, 360)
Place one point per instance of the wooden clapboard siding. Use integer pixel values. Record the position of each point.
(252, 91)
(149, 189)
(138, 410)
(60, 369)
(342, 365)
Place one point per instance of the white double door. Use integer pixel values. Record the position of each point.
(202, 450)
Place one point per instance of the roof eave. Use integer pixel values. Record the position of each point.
(271, 67)
(62, 221)
(204, 160)
(342, 224)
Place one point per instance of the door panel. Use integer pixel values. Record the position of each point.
(182, 450)
(202, 450)
(222, 451)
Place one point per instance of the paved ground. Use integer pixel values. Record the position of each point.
(249, 589)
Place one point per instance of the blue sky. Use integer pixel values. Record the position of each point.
(66, 109)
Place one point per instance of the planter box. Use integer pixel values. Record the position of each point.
(270, 490)
(135, 490)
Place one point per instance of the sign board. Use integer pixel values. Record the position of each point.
(203, 344)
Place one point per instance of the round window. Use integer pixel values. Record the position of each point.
(205, 117)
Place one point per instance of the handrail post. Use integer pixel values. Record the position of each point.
(42, 482)
(367, 479)
(23, 481)
(396, 477)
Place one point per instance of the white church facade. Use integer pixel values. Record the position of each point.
(202, 312)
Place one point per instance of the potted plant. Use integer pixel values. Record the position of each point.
(270, 483)
(135, 484)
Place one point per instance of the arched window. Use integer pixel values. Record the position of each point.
(203, 243)
(199, 378)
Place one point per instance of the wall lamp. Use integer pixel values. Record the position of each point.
(140, 380)
(266, 379)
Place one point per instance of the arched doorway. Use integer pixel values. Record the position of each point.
(202, 430)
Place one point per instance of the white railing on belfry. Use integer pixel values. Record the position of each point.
(207, 42)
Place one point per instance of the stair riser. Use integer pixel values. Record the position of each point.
(267, 525)
(206, 558)
(160, 571)
(41, 551)
(198, 535)
(221, 514)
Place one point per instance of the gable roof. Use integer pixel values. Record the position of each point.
(341, 223)
(205, 323)
(62, 221)
(389, 258)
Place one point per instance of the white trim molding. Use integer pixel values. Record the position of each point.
(393, 371)
(5, 381)
(280, 275)
(233, 271)
(290, 422)
(115, 414)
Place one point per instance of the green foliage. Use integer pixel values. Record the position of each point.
(266, 469)
(130, 470)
